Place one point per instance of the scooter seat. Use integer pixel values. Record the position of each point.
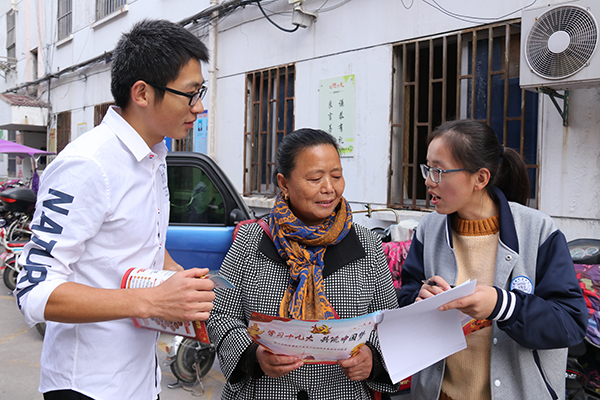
(17, 243)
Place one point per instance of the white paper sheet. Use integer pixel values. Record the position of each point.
(416, 336)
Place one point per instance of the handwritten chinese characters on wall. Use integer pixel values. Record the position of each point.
(336, 111)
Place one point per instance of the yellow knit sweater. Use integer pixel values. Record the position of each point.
(467, 374)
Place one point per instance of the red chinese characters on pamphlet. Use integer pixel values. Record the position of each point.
(315, 341)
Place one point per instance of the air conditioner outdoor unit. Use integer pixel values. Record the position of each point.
(558, 46)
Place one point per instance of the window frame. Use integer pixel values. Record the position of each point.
(63, 130)
(11, 37)
(270, 103)
(100, 111)
(184, 144)
(105, 8)
(64, 19)
(446, 91)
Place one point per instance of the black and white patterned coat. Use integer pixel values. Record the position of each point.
(357, 282)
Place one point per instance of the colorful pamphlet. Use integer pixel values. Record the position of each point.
(143, 278)
(314, 341)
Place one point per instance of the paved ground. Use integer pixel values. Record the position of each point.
(21, 346)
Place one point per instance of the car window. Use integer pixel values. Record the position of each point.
(194, 197)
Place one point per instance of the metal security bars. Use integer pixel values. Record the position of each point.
(11, 53)
(107, 7)
(469, 74)
(65, 18)
(269, 117)
(63, 130)
(185, 144)
(100, 111)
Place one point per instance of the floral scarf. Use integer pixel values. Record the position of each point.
(303, 249)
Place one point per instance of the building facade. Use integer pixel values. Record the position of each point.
(379, 75)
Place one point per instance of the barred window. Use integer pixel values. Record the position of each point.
(10, 28)
(100, 111)
(65, 18)
(63, 130)
(269, 117)
(107, 7)
(470, 74)
(185, 144)
(11, 52)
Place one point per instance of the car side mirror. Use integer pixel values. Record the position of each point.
(236, 216)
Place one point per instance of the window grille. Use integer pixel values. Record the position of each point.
(11, 52)
(185, 144)
(470, 74)
(107, 7)
(63, 130)
(100, 111)
(10, 29)
(34, 64)
(269, 117)
(65, 18)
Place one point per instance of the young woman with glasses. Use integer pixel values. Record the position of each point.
(527, 307)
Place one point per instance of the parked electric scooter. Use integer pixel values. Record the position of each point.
(20, 203)
(583, 363)
(12, 251)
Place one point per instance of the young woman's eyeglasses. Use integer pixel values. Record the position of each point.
(435, 173)
(194, 97)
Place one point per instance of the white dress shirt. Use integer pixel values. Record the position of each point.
(102, 208)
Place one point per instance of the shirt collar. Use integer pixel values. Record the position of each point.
(131, 138)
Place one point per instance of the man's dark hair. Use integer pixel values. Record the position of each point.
(153, 51)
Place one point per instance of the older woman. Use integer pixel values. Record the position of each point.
(319, 265)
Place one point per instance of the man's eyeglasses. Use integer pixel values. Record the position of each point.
(435, 173)
(194, 97)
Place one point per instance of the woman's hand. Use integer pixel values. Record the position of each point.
(358, 368)
(431, 290)
(275, 365)
(479, 305)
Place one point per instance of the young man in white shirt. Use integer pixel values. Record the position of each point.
(102, 208)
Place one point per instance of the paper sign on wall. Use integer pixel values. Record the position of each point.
(336, 111)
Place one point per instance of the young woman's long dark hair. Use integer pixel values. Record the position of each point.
(474, 145)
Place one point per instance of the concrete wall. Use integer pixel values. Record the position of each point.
(570, 157)
(357, 38)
